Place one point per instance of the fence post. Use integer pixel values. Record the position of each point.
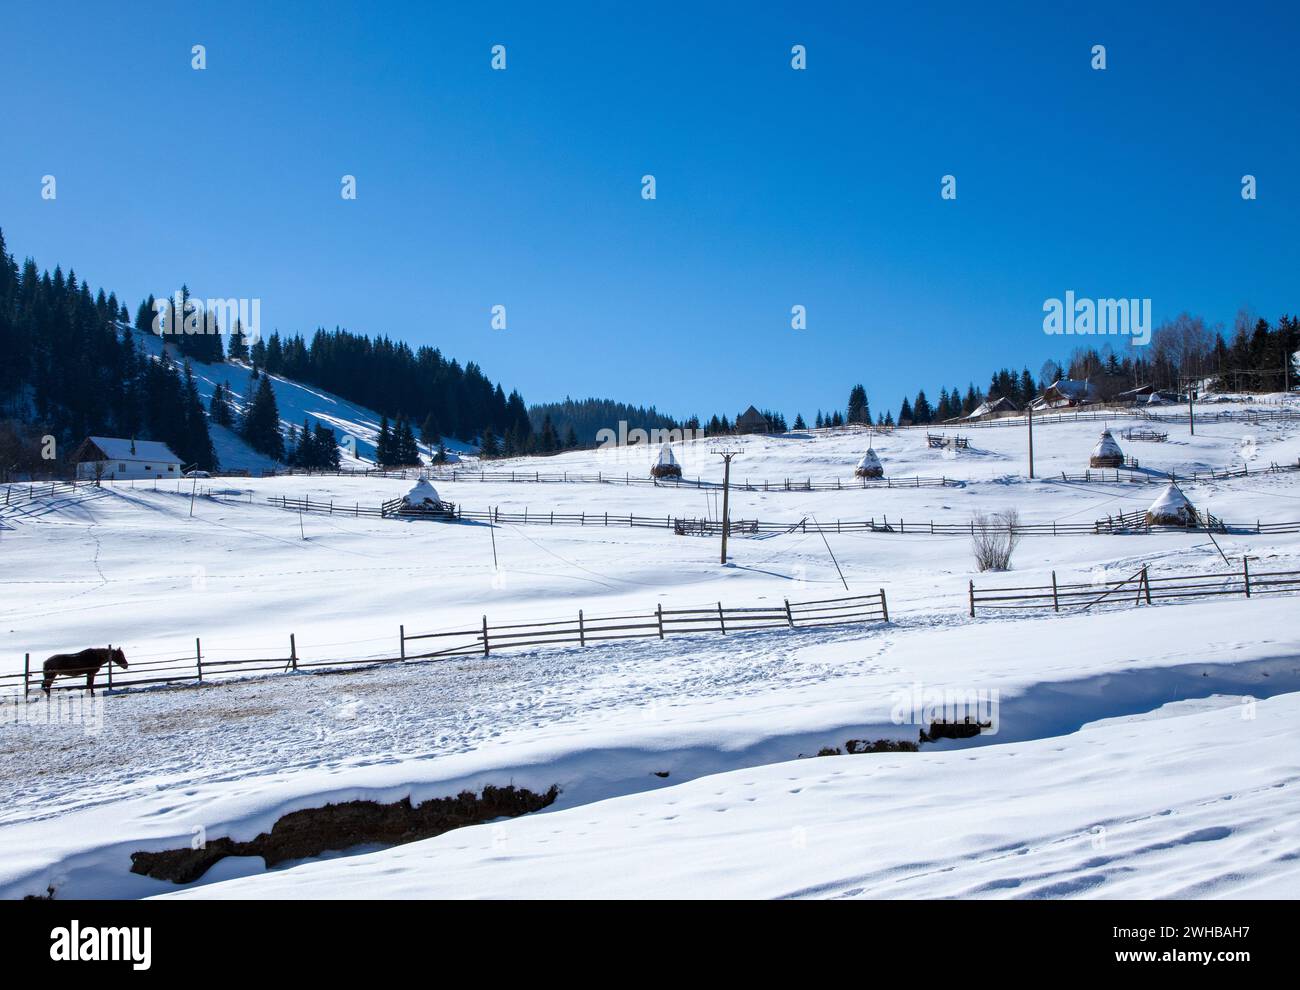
(582, 635)
(1056, 602)
(1245, 570)
(659, 611)
(884, 605)
(198, 659)
(401, 636)
(972, 599)
(789, 616)
(485, 637)
(27, 674)
(293, 651)
(722, 619)
(1146, 583)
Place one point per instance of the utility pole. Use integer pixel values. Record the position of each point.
(1191, 411)
(1031, 441)
(726, 456)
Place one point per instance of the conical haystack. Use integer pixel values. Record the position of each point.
(423, 496)
(1172, 509)
(1107, 453)
(666, 466)
(869, 466)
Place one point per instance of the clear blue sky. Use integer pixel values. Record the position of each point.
(775, 187)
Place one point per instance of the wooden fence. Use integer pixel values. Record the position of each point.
(742, 485)
(1149, 436)
(19, 494)
(630, 480)
(195, 667)
(662, 622)
(1133, 523)
(1150, 476)
(939, 441)
(1138, 589)
(1114, 411)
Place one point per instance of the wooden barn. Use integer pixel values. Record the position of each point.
(752, 421)
(1001, 406)
(1068, 392)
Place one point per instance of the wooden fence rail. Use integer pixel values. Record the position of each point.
(481, 639)
(195, 667)
(1133, 523)
(20, 494)
(628, 479)
(1113, 411)
(1139, 588)
(1150, 476)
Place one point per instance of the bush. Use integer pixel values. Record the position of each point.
(995, 539)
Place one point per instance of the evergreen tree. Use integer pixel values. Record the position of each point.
(219, 409)
(327, 448)
(237, 343)
(859, 411)
(144, 315)
(921, 410)
(489, 447)
(548, 442)
(408, 451)
(385, 453)
(261, 427)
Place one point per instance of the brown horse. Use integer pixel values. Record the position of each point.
(86, 662)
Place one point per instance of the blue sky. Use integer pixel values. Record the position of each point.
(775, 187)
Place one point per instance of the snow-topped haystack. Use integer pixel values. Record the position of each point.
(422, 496)
(666, 466)
(1106, 453)
(423, 500)
(1155, 400)
(869, 466)
(1172, 509)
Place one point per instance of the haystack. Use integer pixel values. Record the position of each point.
(422, 496)
(1172, 509)
(666, 466)
(869, 466)
(1107, 453)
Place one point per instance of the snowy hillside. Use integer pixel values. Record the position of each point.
(295, 401)
(1138, 750)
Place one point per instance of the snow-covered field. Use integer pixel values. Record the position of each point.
(1124, 761)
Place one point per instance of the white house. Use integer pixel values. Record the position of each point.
(115, 459)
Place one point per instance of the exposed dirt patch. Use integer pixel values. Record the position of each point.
(966, 729)
(312, 831)
(856, 746)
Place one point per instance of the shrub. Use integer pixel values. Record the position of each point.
(995, 539)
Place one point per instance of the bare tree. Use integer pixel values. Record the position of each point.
(995, 538)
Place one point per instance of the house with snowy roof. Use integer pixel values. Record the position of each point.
(119, 459)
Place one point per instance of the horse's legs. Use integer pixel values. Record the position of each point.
(90, 681)
(46, 681)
